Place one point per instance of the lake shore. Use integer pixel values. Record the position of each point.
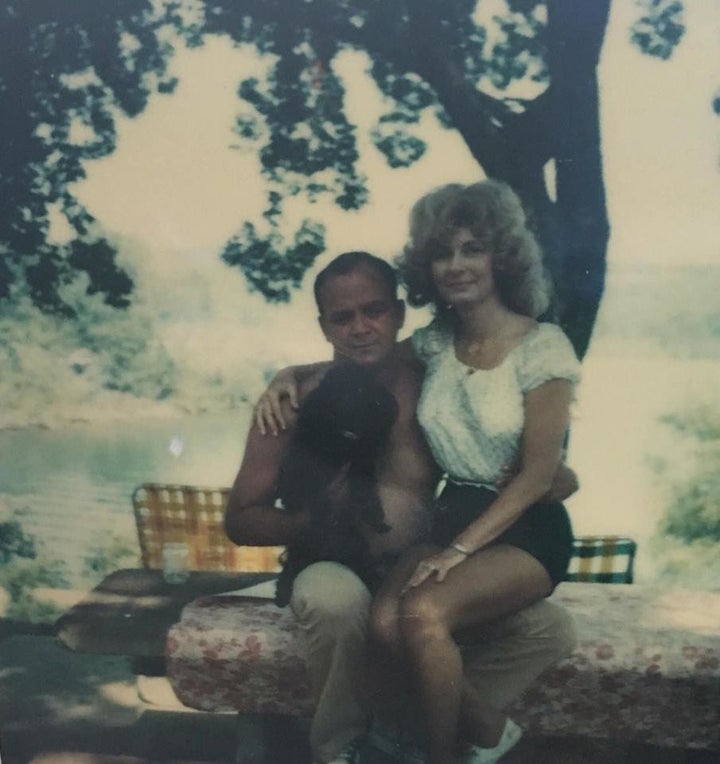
(109, 408)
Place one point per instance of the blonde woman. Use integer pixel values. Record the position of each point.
(495, 402)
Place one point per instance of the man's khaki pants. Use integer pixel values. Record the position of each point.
(332, 604)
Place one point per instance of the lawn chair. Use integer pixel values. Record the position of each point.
(602, 560)
(194, 515)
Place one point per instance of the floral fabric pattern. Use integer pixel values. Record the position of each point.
(646, 668)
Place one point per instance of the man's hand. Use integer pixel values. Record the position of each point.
(268, 413)
(565, 484)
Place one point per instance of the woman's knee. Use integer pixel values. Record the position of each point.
(421, 615)
(384, 629)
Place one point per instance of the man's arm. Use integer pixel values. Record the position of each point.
(251, 517)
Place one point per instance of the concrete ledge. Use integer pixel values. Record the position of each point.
(646, 668)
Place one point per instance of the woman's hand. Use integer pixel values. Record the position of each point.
(267, 412)
(438, 566)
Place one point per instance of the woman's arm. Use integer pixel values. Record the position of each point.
(284, 386)
(547, 412)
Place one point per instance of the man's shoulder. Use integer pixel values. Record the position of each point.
(304, 388)
(410, 369)
(407, 380)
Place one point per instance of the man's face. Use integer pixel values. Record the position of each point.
(360, 317)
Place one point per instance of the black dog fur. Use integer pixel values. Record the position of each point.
(343, 424)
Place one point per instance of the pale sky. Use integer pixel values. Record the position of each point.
(661, 141)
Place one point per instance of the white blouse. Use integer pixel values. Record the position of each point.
(473, 418)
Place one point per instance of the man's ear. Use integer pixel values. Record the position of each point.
(321, 324)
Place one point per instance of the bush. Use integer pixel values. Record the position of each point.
(21, 573)
(110, 555)
(14, 542)
(693, 512)
(20, 578)
(688, 542)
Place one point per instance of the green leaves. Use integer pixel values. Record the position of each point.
(660, 29)
(272, 265)
(693, 512)
(66, 70)
(401, 149)
(14, 542)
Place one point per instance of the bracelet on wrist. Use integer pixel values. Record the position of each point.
(458, 547)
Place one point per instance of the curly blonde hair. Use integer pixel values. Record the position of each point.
(494, 214)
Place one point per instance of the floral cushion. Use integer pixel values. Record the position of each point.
(646, 668)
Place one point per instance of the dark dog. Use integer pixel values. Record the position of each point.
(329, 471)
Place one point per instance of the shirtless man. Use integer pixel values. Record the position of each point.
(361, 316)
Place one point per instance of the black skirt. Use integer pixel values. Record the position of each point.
(543, 530)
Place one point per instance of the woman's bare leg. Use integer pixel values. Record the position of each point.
(486, 586)
(479, 723)
(385, 634)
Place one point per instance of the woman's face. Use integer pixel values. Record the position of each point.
(463, 273)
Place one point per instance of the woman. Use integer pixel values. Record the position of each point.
(495, 401)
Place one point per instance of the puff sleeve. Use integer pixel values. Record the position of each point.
(429, 341)
(547, 355)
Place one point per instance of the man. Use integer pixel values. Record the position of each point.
(361, 316)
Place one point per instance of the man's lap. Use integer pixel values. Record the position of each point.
(329, 588)
(501, 658)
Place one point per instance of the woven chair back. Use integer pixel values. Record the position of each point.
(166, 513)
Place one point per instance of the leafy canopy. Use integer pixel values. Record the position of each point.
(69, 69)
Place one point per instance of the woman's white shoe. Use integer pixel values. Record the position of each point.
(510, 735)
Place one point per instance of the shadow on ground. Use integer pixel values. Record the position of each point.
(54, 700)
(61, 707)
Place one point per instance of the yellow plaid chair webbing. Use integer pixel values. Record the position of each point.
(167, 513)
(602, 559)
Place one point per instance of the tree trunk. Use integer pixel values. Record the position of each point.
(561, 125)
(576, 29)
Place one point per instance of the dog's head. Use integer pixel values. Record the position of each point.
(348, 416)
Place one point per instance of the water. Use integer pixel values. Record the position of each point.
(71, 486)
